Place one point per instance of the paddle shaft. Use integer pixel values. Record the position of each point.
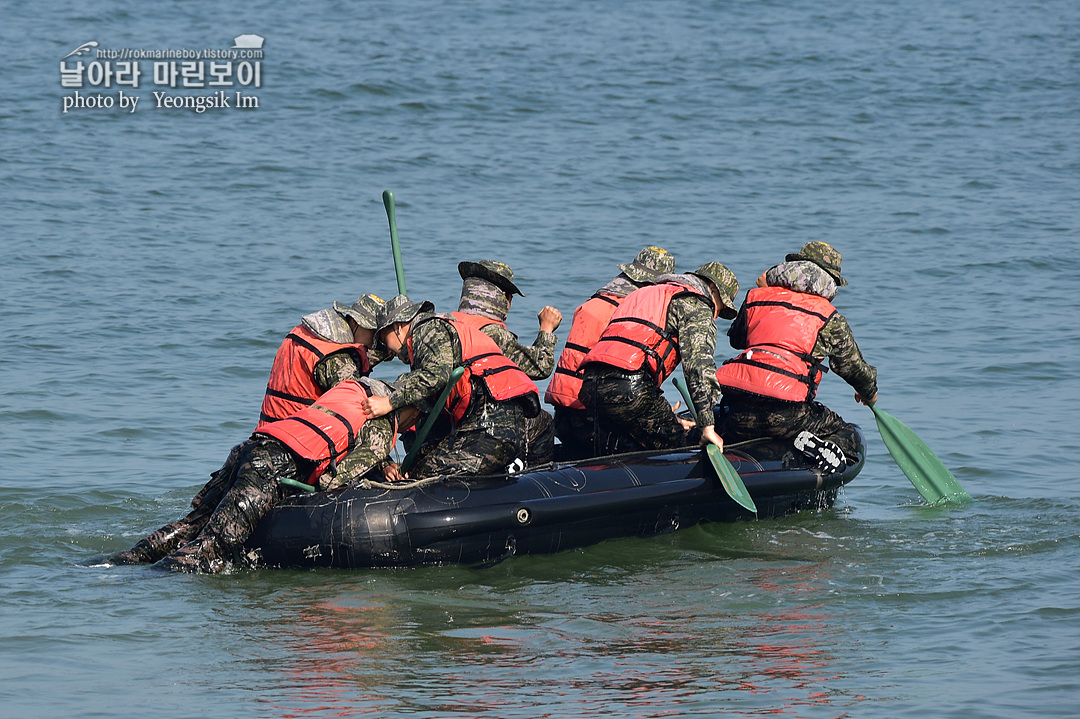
(422, 434)
(388, 203)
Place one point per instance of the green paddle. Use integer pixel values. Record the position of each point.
(729, 478)
(929, 474)
(388, 203)
(410, 456)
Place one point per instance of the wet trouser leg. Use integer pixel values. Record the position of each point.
(168, 538)
(487, 446)
(252, 495)
(742, 418)
(574, 428)
(631, 411)
(539, 440)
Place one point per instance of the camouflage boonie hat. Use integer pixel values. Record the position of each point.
(364, 310)
(726, 284)
(649, 264)
(400, 309)
(497, 273)
(823, 255)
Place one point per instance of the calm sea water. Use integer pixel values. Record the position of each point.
(153, 260)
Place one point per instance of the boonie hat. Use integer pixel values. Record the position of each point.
(726, 284)
(400, 309)
(649, 264)
(364, 310)
(823, 255)
(497, 273)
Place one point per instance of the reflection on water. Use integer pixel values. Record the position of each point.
(692, 638)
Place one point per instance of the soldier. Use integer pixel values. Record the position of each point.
(487, 292)
(481, 432)
(304, 447)
(654, 329)
(573, 425)
(787, 326)
(327, 347)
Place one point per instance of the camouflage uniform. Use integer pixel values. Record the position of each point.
(630, 410)
(575, 428)
(489, 436)
(744, 416)
(227, 509)
(485, 291)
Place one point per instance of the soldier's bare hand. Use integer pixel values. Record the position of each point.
(709, 435)
(687, 424)
(376, 406)
(550, 319)
(392, 473)
(864, 400)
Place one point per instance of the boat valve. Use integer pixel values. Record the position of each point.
(523, 516)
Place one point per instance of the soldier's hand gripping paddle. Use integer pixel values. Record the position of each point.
(929, 474)
(729, 478)
(388, 203)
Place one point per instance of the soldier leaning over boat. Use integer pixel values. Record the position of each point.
(483, 428)
(654, 330)
(787, 327)
(327, 347)
(573, 425)
(302, 448)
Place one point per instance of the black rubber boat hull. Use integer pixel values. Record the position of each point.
(485, 520)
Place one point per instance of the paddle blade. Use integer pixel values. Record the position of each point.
(927, 473)
(730, 479)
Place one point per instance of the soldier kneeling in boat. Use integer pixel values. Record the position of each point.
(482, 430)
(487, 291)
(303, 448)
(787, 325)
(654, 330)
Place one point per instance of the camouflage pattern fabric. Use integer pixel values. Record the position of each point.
(488, 447)
(539, 439)
(253, 493)
(489, 436)
(169, 538)
(747, 416)
(802, 276)
(620, 286)
(691, 320)
(371, 451)
(480, 297)
(741, 417)
(330, 325)
(631, 412)
(576, 431)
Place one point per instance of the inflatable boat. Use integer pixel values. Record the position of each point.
(483, 520)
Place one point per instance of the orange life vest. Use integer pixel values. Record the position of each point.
(483, 359)
(782, 328)
(323, 432)
(590, 320)
(637, 335)
(292, 386)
